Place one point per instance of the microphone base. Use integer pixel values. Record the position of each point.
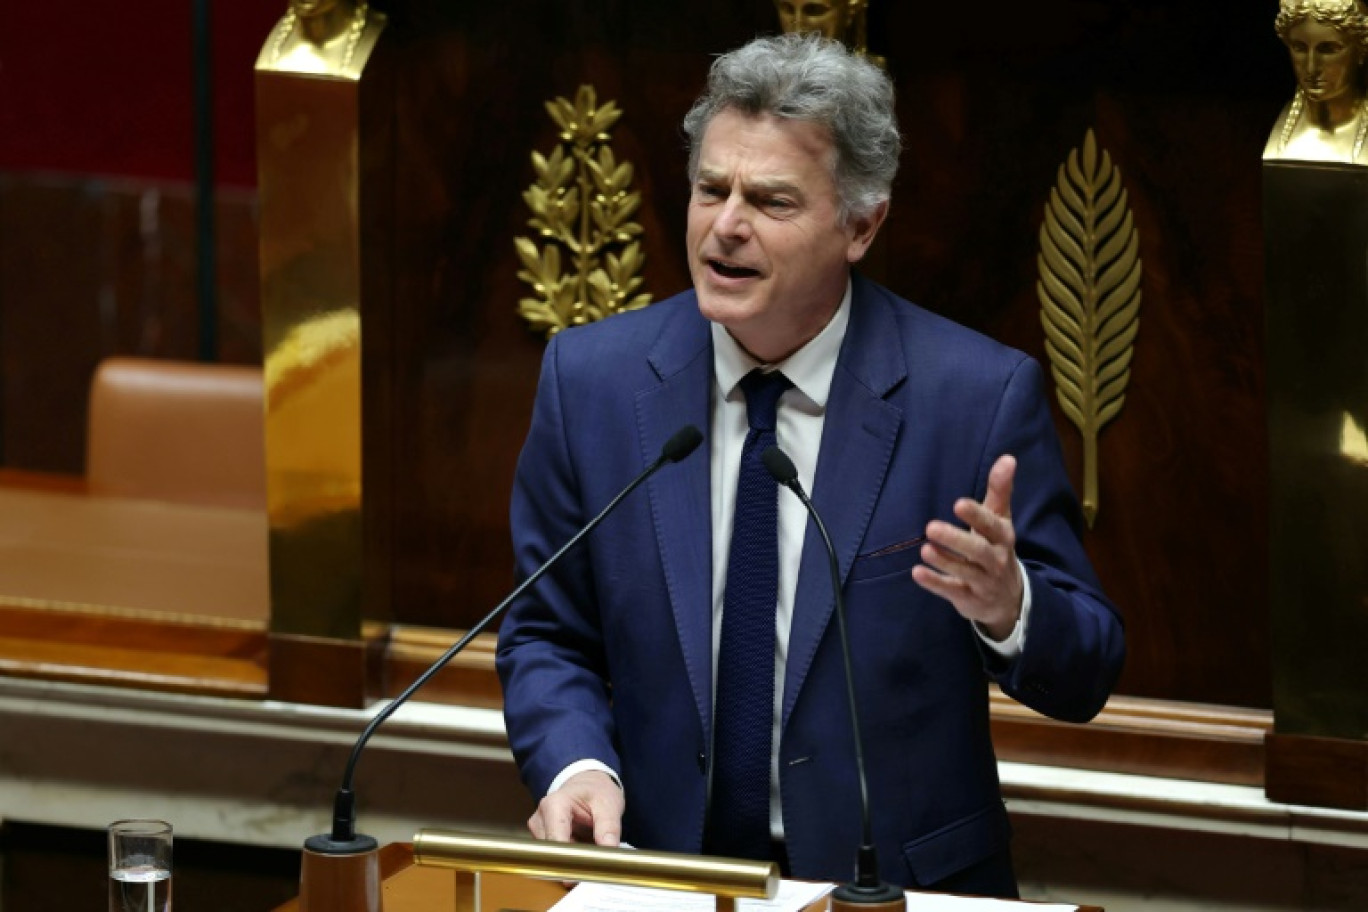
(879, 898)
(340, 876)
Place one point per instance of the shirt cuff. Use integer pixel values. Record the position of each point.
(1015, 643)
(581, 766)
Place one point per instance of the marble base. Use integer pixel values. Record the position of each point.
(264, 773)
(256, 773)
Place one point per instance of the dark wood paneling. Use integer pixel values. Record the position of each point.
(50, 328)
(1180, 540)
(1322, 772)
(129, 649)
(91, 268)
(989, 114)
(324, 671)
(1141, 736)
(1181, 96)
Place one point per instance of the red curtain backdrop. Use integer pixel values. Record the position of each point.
(103, 88)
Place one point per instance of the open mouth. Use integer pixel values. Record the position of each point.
(730, 271)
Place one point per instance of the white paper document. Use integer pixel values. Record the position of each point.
(793, 896)
(939, 902)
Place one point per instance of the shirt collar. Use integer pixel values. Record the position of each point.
(809, 369)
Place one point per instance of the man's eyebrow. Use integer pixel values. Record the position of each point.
(775, 185)
(760, 185)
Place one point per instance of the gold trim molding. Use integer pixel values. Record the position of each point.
(1089, 292)
(582, 205)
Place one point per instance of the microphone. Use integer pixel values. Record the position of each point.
(867, 890)
(343, 840)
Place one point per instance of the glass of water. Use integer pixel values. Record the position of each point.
(140, 866)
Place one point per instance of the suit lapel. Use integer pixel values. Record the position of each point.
(680, 504)
(858, 436)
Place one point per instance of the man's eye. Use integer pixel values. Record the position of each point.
(710, 192)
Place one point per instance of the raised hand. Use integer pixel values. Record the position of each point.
(975, 568)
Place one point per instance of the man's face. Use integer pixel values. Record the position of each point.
(829, 17)
(768, 253)
(1325, 62)
(306, 9)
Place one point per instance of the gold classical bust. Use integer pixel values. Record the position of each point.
(843, 20)
(323, 38)
(833, 18)
(1326, 120)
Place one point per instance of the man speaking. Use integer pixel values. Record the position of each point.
(678, 682)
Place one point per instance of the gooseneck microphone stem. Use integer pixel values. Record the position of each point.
(865, 829)
(684, 442)
(867, 889)
(785, 473)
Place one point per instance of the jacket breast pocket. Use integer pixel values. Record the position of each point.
(952, 848)
(897, 558)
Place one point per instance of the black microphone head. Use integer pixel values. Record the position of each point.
(780, 467)
(684, 442)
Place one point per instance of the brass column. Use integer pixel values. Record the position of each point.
(1316, 238)
(1316, 253)
(323, 110)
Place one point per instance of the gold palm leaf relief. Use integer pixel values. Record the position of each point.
(582, 207)
(1089, 293)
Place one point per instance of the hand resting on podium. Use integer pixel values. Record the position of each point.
(587, 808)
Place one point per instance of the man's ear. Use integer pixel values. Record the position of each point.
(862, 231)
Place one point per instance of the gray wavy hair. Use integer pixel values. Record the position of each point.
(1347, 16)
(810, 78)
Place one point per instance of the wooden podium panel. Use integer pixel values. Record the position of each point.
(411, 887)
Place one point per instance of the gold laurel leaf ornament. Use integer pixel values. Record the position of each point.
(582, 207)
(1089, 291)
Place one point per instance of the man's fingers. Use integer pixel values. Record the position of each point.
(975, 568)
(952, 541)
(587, 808)
(945, 560)
(607, 807)
(952, 547)
(1000, 480)
(553, 821)
(937, 582)
(606, 832)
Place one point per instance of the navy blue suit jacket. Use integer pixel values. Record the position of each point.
(610, 657)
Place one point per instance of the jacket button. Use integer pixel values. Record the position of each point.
(702, 762)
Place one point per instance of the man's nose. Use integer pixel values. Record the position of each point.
(734, 221)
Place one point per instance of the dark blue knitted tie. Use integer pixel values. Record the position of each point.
(739, 821)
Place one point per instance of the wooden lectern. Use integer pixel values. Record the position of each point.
(410, 887)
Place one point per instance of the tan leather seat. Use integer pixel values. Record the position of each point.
(177, 431)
